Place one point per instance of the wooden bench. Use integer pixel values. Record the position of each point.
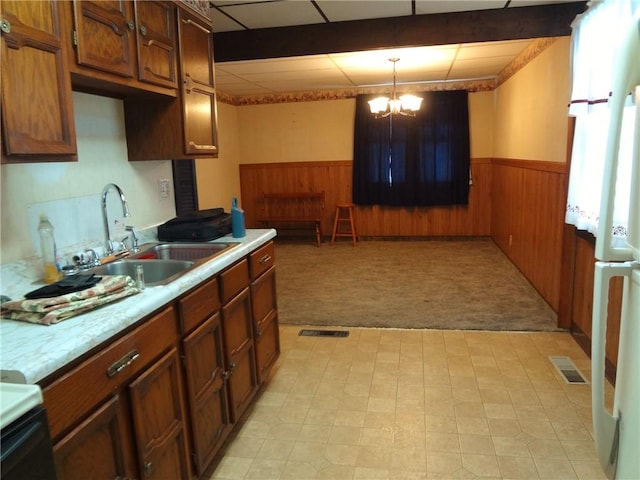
(287, 208)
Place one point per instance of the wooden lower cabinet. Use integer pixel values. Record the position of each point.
(206, 391)
(159, 401)
(265, 322)
(239, 353)
(99, 448)
(104, 446)
(158, 419)
(264, 308)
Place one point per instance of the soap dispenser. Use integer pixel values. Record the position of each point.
(237, 219)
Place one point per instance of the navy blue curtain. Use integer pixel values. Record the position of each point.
(413, 161)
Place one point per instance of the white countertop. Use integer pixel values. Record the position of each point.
(16, 400)
(30, 352)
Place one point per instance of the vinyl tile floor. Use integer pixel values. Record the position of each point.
(417, 404)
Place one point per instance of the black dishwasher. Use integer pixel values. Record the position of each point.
(26, 449)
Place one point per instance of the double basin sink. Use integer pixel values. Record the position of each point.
(163, 263)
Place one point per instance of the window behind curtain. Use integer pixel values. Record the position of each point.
(413, 161)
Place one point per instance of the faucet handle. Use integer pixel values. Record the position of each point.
(134, 238)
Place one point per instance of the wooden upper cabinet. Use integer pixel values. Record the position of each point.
(184, 127)
(156, 42)
(104, 35)
(37, 109)
(122, 45)
(198, 89)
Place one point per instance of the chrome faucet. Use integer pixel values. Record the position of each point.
(105, 220)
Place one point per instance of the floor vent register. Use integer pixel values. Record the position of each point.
(568, 370)
(323, 333)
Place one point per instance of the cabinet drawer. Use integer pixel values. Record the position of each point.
(198, 305)
(75, 393)
(261, 260)
(233, 280)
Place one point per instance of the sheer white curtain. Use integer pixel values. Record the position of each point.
(594, 43)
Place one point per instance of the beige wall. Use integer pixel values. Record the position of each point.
(530, 116)
(296, 132)
(481, 124)
(218, 179)
(323, 130)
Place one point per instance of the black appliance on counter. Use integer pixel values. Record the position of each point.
(199, 226)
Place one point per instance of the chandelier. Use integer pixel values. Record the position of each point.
(405, 105)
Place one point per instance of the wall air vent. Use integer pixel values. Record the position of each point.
(568, 370)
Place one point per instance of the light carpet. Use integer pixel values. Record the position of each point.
(436, 284)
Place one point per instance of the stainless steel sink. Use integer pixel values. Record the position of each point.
(183, 251)
(156, 272)
(163, 263)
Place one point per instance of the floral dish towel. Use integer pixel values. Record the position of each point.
(47, 311)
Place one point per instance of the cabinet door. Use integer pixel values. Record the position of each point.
(158, 419)
(156, 42)
(99, 448)
(198, 92)
(104, 36)
(265, 322)
(206, 391)
(239, 352)
(37, 110)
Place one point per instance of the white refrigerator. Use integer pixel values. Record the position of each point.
(617, 431)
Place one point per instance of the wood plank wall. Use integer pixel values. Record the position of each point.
(335, 178)
(528, 203)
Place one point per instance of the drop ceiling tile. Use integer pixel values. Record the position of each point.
(334, 76)
(496, 63)
(424, 7)
(491, 49)
(290, 64)
(272, 14)
(222, 23)
(296, 86)
(378, 60)
(473, 72)
(340, 10)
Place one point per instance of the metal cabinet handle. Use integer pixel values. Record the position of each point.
(203, 147)
(148, 468)
(131, 25)
(5, 26)
(264, 259)
(121, 364)
(228, 373)
(143, 30)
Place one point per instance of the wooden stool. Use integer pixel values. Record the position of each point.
(346, 208)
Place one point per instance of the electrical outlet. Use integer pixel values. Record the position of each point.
(165, 188)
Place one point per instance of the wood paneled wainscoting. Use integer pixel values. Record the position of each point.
(335, 179)
(528, 204)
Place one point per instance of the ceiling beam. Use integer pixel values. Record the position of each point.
(408, 31)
